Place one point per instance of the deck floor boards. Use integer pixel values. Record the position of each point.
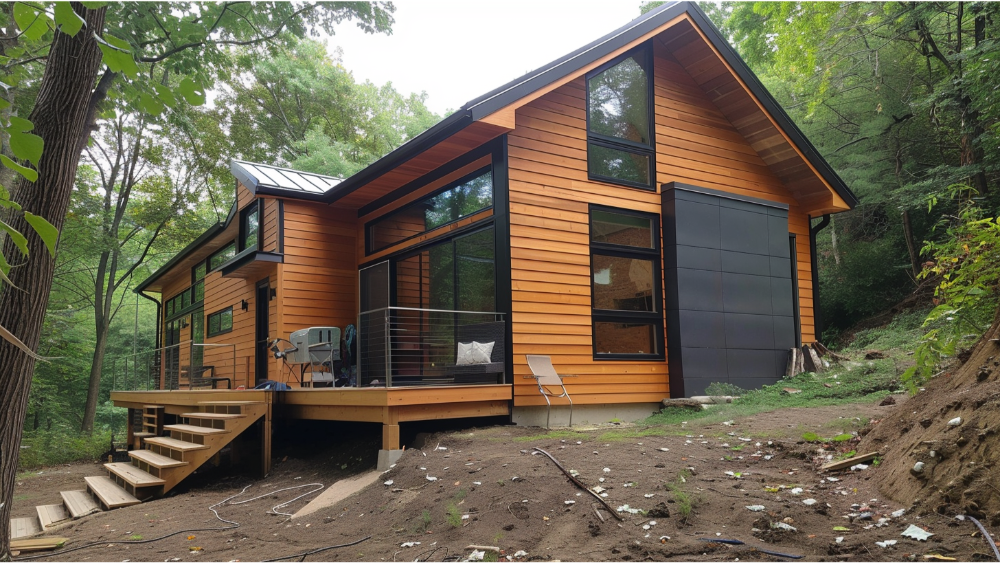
(79, 503)
(24, 527)
(111, 495)
(51, 514)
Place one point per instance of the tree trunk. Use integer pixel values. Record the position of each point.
(911, 245)
(94, 388)
(59, 117)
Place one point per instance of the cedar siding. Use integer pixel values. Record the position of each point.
(550, 246)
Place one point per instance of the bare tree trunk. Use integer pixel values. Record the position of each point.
(96, 367)
(910, 244)
(833, 241)
(59, 117)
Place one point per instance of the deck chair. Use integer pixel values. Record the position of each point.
(546, 377)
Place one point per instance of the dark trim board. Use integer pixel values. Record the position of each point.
(246, 257)
(501, 252)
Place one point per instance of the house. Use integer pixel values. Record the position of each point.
(639, 210)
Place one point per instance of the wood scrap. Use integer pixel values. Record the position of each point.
(824, 351)
(793, 362)
(484, 548)
(579, 484)
(597, 511)
(846, 463)
(38, 544)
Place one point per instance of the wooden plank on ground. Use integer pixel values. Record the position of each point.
(79, 503)
(24, 527)
(846, 463)
(109, 493)
(51, 514)
(38, 544)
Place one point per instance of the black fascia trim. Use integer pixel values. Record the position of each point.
(250, 255)
(520, 87)
(723, 195)
(626, 145)
(369, 249)
(243, 177)
(408, 150)
(773, 107)
(431, 176)
(202, 239)
(793, 244)
(814, 262)
(501, 254)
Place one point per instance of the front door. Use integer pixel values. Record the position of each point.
(261, 332)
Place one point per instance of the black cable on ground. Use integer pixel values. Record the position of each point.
(303, 555)
(986, 535)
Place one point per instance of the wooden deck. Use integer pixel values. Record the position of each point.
(389, 406)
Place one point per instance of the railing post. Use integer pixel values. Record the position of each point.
(388, 348)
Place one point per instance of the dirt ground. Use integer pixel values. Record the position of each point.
(688, 487)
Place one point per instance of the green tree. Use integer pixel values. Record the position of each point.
(185, 39)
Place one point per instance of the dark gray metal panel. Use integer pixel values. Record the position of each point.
(696, 386)
(743, 263)
(784, 332)
(742, 293)
(702, 329)
(747, 364)
(780, 363)
(781, 297)
(741, 205)
(699, 258)
(745, 232)
(697, 224)
(670, 296)
(699, 197)
(699, 290)
(777, 229)
(749, 332)
(781, 267)
(708, 363)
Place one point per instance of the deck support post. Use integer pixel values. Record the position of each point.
(390, 436)
(265, 435)
(390, 451)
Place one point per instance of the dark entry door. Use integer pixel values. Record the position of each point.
(261, 331)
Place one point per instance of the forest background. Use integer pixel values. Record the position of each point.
(899, 97)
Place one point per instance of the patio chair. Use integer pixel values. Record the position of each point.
(546, 377)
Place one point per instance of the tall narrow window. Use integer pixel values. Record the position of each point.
(250, 227)
(620, 121)
(626, 292)
(198, 281)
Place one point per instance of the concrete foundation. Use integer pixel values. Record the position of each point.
(584, 414)
(387, 458)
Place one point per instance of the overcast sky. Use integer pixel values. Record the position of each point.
(456, 51)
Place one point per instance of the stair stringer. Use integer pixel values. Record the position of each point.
(173, 476)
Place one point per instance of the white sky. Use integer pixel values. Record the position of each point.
(458, 50)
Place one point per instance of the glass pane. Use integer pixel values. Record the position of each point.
(213, 324)
(199, 272)
(618, 164)
(198, 336)
(222, 256)
(441, 271)
(226, 320)
(170, 307)
(623, 284)
(476, 289)
(617, 228)
(250, 229)
(463, 200)
(619, 101)
(625, 338)
(185, 299)
(199, 291)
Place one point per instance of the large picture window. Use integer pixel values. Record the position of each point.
(468, 196)
(627, 298)
(620, 144)
(250, 227)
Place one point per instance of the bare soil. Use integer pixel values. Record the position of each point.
(486, 486)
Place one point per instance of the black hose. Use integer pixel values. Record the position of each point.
(303, 555)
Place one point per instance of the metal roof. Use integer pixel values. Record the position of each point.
(255, 176)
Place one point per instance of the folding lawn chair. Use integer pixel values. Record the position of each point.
(545, 375)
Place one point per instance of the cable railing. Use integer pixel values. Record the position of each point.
(185, 365)
(403, 346)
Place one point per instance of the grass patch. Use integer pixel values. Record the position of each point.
(555, 434)
(454, 516)
(851, 382)
(42, 448)
(629, 433)
(25, 475)
(683, 501)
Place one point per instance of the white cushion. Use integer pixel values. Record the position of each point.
(465, 357)
(482, 352)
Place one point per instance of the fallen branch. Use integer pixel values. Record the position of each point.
(581, 485)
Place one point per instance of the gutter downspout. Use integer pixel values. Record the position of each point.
(159, 307)
(813, 231)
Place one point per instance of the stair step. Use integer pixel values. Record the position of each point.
(143, 434)
(212, 415)
(152, 406)
(155, 459)
(174, 444)
(24, 527)
(51, 514)
(191, 429)
(110, 494)
(79, 503)
(133, 475)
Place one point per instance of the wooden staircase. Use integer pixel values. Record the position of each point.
(155, 470)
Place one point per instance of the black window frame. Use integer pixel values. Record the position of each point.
(625, 144)
(639, 317)
(208, 261)
(244, 217)
(370, 225)
(219, 313)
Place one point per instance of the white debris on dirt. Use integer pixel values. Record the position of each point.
(886, 543)
(783, 526)
(629, 509)
(898, 513)
(859, 467)
(955, 421)
(809, 501)
(916, 533)
(409, 544)
(429, 478)
(755, 508)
